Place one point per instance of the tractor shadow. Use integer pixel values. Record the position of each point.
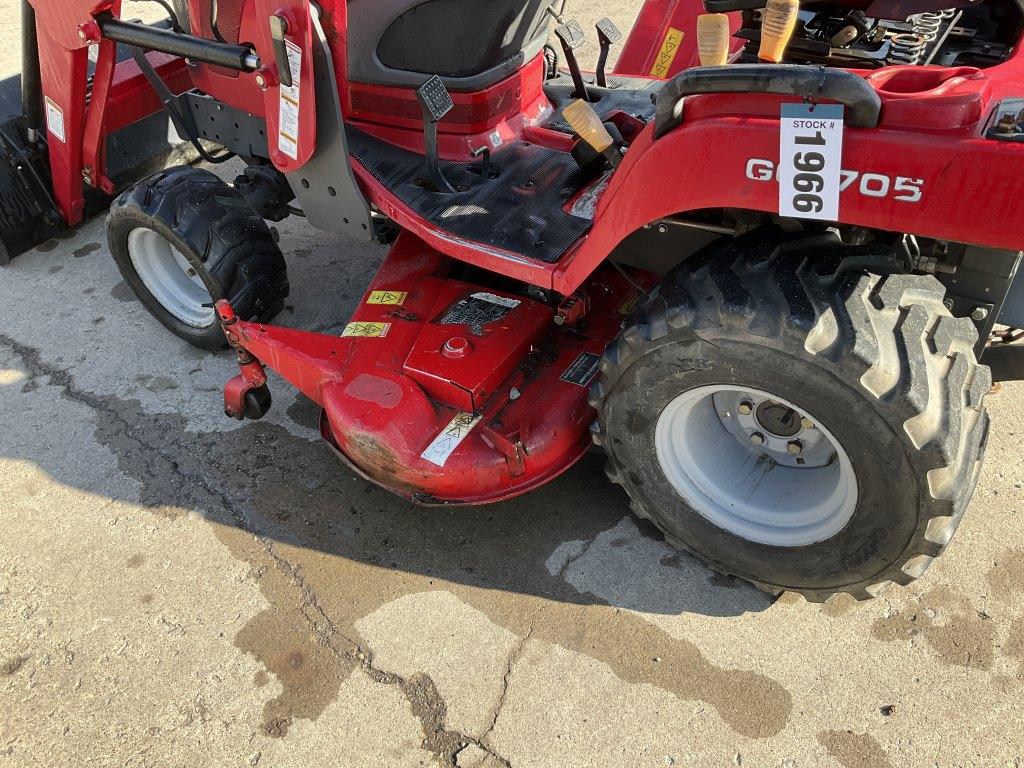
(571, 541)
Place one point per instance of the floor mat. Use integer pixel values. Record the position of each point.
(632, 95)
(519, 211)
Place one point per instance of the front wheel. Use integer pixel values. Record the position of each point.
(183, 239)
(794, 420)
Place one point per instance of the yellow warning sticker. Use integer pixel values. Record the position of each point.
(667, 54)
(393, 298)
(366, 330)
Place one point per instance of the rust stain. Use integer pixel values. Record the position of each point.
(854, 750)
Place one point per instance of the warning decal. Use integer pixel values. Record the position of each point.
(366, 330)
(478, 309)
(288, 128)
(583, 369)
(55, 119)
(391, 298)
(451, 437)
(667, 55)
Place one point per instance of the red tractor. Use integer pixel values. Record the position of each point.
(757, 263)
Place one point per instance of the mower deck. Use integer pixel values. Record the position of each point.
(443, 390)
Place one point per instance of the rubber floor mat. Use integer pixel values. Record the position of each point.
(632, 95)
(520, 210)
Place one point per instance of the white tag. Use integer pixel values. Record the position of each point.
(288, 124)
(810, 159)
(451, 437)
(501, 301)
(55, 119)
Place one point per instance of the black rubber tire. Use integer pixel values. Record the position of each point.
(881, 356)
(224, 239)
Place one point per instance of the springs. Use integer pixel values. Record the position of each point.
(910, 47)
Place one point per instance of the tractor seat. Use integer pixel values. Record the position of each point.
(470, 44)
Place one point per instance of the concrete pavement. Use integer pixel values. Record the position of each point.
(177, 589)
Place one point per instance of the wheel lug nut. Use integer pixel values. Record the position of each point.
(746, 408)
(757, 438)
(795, 447)
(806, 423)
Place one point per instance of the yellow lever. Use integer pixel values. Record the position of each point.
(713, 39)
(778, 20)
(586, 122)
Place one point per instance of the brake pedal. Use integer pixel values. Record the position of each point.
(607, 34)
(571, 36)
(436, 102)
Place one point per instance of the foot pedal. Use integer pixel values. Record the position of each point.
(607, 34)
(436, 103)
(571, 36)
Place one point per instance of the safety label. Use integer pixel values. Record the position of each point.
(451, 437)
(478, 309)
(667, 54)
(55, 119)
(583, 369)
(290, 98)
(391, 298)
(366, 330)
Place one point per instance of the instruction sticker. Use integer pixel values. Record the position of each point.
(451, 437)
(366, 330)
(478, 309)
(55, 119)
(667, 54)
(290, 97)
(390, 298)
(583, 369)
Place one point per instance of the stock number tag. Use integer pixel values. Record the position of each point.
(810, 157)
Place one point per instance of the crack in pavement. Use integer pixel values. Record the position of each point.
(425, 702)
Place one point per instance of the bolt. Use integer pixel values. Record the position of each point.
(948, 303)
(979, 314)
(662, 229)
(746, 408)
(757, 438)
(261, 81)
(795, 447)
(81, 34)
(806, 423)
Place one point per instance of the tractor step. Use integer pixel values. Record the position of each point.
(443, 390)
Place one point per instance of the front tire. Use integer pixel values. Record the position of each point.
(869, 376)
(183, 239)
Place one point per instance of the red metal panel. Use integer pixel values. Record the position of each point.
(651, 51)
(704, 164)
(461, 364)
(533, 427)
(300, 33)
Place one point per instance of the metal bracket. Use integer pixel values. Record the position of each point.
(325, 186)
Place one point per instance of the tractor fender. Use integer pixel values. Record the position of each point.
(726, 155)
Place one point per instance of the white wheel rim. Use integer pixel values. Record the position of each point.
(170, 278)
(766, 493)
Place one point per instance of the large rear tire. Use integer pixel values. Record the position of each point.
(793, 420)
(183, 239)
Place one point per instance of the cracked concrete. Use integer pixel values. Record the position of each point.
(180, 589)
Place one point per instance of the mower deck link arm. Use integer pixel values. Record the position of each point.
(240, 58)
(811, 82)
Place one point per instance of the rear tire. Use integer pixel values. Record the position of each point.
(891, 375)
(183, 239)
